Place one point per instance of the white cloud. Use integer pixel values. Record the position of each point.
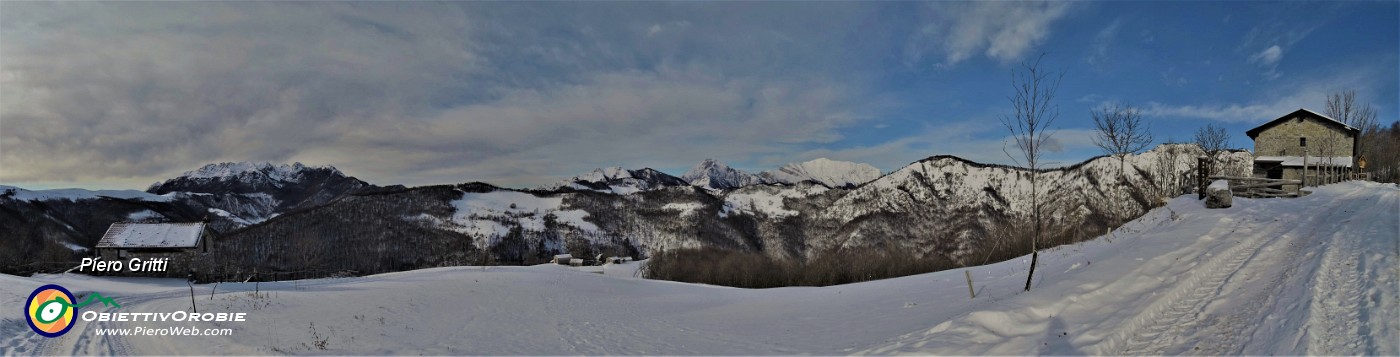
(1308, 93)
(421, 93)
(629, 118)
(974, 140)
(1273, 37)
(1098, 53)
(1239, 113)
(1268, 57)
(1002, 30)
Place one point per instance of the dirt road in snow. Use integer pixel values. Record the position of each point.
(1276, 251)
(1314, 275)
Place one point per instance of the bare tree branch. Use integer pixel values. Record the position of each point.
(1213, 139)
(1121, 131)
(1342, 107)
(1032, 115)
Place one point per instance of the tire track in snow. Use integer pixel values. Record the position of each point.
(19, 340)
(1161, 317)
(1335, 325)
(1244, 322)
(84, 340)
(1153, 331)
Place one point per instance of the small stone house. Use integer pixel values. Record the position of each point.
(563, 259)
(180, 244)
(1283, 145)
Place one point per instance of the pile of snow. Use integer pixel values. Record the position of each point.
(1313, 275)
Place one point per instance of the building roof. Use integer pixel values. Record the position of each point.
(1297, 161)
(152, 235)
(1305, 113)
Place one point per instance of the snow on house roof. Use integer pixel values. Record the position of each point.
(152, 235)
(1252, 133)
(1297, 161)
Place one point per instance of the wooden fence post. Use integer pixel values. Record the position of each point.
(1202, 177)
(972, 294)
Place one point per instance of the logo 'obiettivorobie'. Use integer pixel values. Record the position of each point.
(50, 309)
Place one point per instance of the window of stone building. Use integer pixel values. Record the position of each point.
(1302, 141)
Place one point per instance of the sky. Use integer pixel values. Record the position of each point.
(109, 95)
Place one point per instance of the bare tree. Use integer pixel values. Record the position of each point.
(1029, 124)
(1342, 106)
(1214, 140)
(1385, 166)
(1121, 131)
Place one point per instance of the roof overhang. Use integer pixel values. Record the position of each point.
(1302, 112)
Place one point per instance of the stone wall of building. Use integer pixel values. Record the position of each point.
(1282, 139)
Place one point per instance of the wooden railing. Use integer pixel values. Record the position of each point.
(1255, 187)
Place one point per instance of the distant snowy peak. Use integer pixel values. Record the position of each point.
(828, 172)
(618, 180)
(284, 172)
(251, 176)
(715, 175)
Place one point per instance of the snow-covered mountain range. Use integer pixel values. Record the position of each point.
(942, 205)
(247, 193)
(54, 225)
(827, 172)
(618, 180)
(715, 175)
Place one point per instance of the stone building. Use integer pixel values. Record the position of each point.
(1282, 146)
(179, 245)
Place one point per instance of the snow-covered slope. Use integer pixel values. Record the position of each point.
(78, 194)
(248, 193)
(949, 205)
(1309, 276)
(944, 207)
(46, 225)
(242, 176)
(767, 200)
(619, 181)
(715, 175)
(492, 215)
(831, 173)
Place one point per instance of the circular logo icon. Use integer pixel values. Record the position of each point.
(50, 310)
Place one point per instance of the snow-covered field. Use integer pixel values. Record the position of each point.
(1313, 275)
